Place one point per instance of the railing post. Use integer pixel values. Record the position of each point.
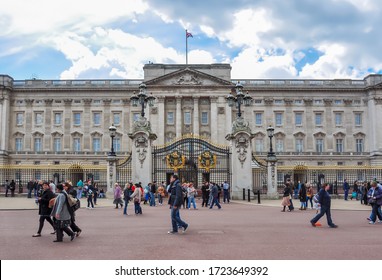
(249, 195)
(258, 196)
(243, 193)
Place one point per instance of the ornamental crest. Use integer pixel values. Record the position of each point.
(175, 160)
(207, 160)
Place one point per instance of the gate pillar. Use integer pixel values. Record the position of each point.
(141, 163)
(272, 177)
(111, 175)
(241, 144)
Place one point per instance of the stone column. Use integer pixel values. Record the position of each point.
(178, 121)
(142, 138)
(214, 119)
(161, 120)
(28, 124)
(48, 125)
(68, 120)
(375, 114)
(111, 175)
(6, 85)
(241, 162)
(272, 177)
(196, 115)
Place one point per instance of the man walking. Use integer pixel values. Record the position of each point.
(176, 201)
(346, 189)
(325, 201)
(215, 193)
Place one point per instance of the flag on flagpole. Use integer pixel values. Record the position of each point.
(188, 34)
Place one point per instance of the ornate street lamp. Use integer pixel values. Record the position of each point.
(113, 132)
(239, 99)
(270, 132)
(142, 99)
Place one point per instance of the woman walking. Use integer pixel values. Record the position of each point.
(43, 208)
(117, 196)
(309, 195)
(286, 197)
(191, 196)
(302, 197)
(126, 197)
(137, 196)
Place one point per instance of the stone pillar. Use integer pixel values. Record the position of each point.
(272, 177)
(161, 120)
(28, 124)
(48, 125)
(6, 85)
(111, 175)
(241, 162)
(196, 116)
(214, 119)
(68, 120)
(142, 138)
(178, 121)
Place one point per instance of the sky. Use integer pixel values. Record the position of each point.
(260, 39)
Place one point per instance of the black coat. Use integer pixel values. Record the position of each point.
(176, 198)
(43, 208)
(324, 198)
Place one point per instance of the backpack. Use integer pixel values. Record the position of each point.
(74, 203)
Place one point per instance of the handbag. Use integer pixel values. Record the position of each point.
(372, 200)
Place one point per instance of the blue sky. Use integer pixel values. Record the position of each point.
(276, 39)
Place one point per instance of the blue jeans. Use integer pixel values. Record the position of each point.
(324, 210)
(226, 196)
(152, 199)
(125, 208)
(191, 200)
(137, 208)
(215, 201)
(79, 193)
(376, 211)
(176, 220)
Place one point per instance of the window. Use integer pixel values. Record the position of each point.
(318, 102)
(117, 144)
(97, 118)
(298, 119)
(57, 118)
(57, 144)
(116, 118)
(299, 145)
(338, 102)
(340, 145)
(298, 102)
(77, 144)
(359, 145)
(19, 144)
(19, 119)
(358, 119)
(96, 144)
(38, 118)
(77, 118)
(187, 117)
(259, 118)
(170, 117)
(279, 119)
(279, 145)
(319, 145)
(338, 119)
(259, 145)
(204, 118)
(38, 144)
(318, 119)
(278, 101)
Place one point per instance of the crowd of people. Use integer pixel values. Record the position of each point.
(368, 193)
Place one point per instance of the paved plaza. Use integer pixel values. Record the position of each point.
(240, 230)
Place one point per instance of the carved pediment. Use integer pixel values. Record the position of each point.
(279, 135)
(339, 135)
(359, 135)
(188, 77)
(319, 134)
(299, 134)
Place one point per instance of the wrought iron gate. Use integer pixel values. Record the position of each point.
(194, 159)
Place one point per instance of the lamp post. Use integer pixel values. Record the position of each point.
(142, 99)
(270, 132)
(239, 99)
(112, 131)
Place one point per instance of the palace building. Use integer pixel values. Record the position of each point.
(59, 129)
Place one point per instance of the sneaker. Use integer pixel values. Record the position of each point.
(185, 228)
(333, 226)
(72, 237)
(172, 232)
(78, 233)
(36, 235)
(380, 221)
(368, 219)
(371, 222)
(53, 232)
(313, 224)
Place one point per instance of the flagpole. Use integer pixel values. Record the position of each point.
(186, 48)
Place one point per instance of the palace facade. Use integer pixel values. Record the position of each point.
(47, 124)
